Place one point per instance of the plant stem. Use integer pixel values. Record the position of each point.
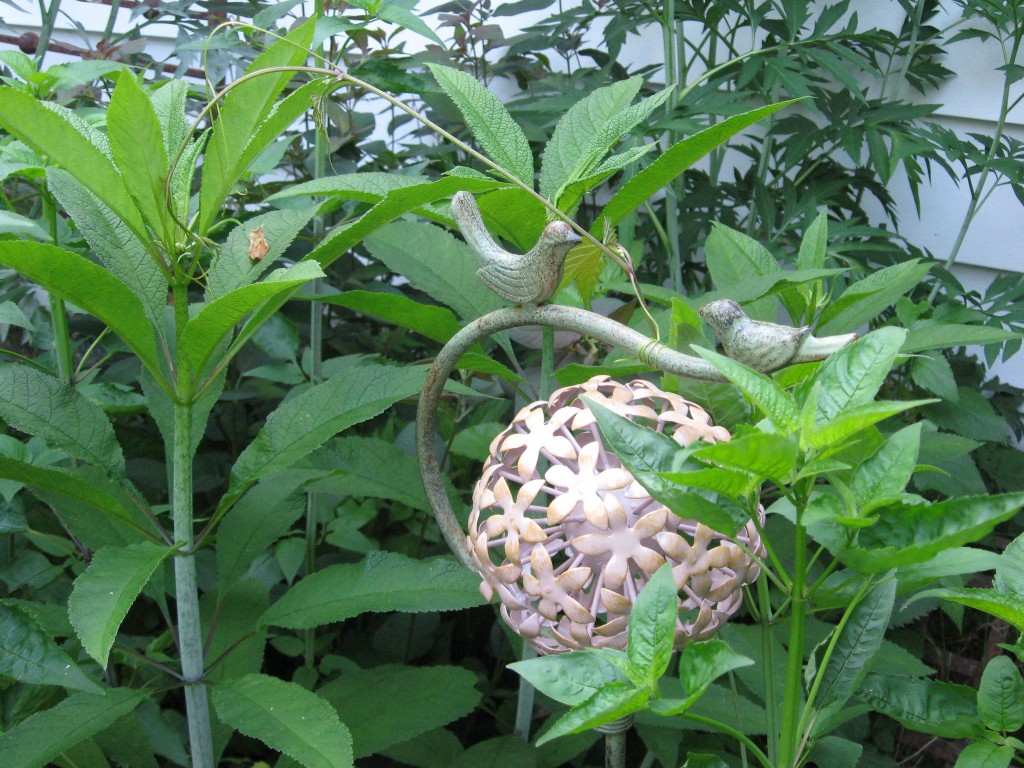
(671, 240)
(730, 731)
(190, 634)
(792, 697)
(49, 14)
(767, 652)
(58, 313)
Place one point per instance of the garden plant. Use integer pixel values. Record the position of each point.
(221, 301)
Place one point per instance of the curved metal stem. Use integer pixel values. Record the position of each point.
(609, 331)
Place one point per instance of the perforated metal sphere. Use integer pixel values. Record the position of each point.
(566, 538)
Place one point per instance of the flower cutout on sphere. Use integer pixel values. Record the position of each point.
(566, 538)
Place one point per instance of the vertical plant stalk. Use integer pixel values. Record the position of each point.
(190, 632)
(669, 31)
(792, 700)
(767, 652)
(49, 13)
(58, 312)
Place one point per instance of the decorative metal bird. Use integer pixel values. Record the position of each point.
(763, 346)
(529, 279)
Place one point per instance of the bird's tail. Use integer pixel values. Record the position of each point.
(812, 349)
(471, 225)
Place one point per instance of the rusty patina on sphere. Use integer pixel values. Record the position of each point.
(566, 538)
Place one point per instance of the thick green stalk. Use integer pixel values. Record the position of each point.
(767, 653)
(49, 12)
(792, 699)
(672, 231)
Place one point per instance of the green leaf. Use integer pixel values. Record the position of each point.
(391, 704)
(700, 664)
(286, 717)
(859, 640)
(734, 258)
(204, 332)
(865, 299)
(490, 123)
(672, 162)
(308, 420)
(853, 420)
(114, 243)
(500, 752)
(767, 455)
(854, 374)
(935, 375)
(777, 404)
(652, 625)
(927, 706)
(1010, 572)
(384, 581)
(40, 738)
(50, 132)
(233, 268)
(915, 533)
(984, 754)
(241, 112)
(365, 186)
(27, 654)
(1008, 607)
(814, 245)
(17, 224)
(264, 514)
(888, 470)
(137, 144)
(612, 701)
(938, 335)
(46, 407)
(436, 323)
(281, 118)
(569, 678)
(1001, 695)
(88, 286)
(106, 590)
(434, 262)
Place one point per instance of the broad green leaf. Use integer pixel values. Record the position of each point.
(308, 420)
(264, 514)
(854, 374)
(570, 678)
(366, 186)
(65, 483)
(231, 614)
(577, 131)
(1002, 605)
(934, 374)
(652, 625)
(612, 701)
(286, 717)
(927, 335)
(391, 704)
(12, 314)
(106, 590)
(391, 207)
(383, 582)
(50, 133)
(867, 297)
(46, 407)
(436, 323)
(734, 258)
(767, 455)
(241, 112)
(950, 562)
(137, 144)
(20, 64)
(1010, 572)
(170, 103)
(281, 118)
(814, 245)
(927, 706)
(401, 12)
(114, 243)
(500, 752)
(853, 420)
(204, 332)
(700, 664)
(777, 404)
(439, 748)
(859, 640)
(88, 286)
(162, 410)
(915, 533)
(490, 123)
(126, 744)
(985, 754)
(1001, 695)
(434, 262)
(37, 740)
(15, 223)
(672, 162)
(233, 268)
(887, 472)
(27, 654)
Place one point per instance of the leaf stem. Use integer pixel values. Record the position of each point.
(793, 694)
(730, 731)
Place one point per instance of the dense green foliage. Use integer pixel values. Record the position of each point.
(218, 301)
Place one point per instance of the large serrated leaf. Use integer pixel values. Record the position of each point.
(308, 420)
(28, 655)
(502, 140)
(383, 582)
(242, 110)
(38, 739)
(391, 704)
(137, 144)
(46, 407)
(90, 287)
(854, 374)
(1002, 605)
(928, 706)
(51, 133)
(106, 590)
(286, 717)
